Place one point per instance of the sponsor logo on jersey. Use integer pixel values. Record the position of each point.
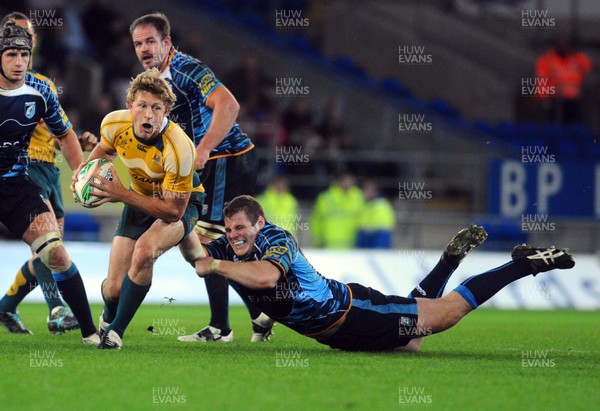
(142, 179)
(275, 252)
(206, 83)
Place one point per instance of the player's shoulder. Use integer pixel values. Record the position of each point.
(44, 79)
(117, 116)
(184, 62)
(272, 234)
(114, 122)
(187, 68)
(39, 83)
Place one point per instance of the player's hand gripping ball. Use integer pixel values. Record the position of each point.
(83, 190)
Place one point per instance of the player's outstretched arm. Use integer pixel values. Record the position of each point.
(252, 274)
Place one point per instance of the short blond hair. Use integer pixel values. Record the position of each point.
(151, 82)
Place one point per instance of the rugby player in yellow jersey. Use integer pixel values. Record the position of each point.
(42, 170)
(162, 205)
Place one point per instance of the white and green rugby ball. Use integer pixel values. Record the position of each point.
(83, 190)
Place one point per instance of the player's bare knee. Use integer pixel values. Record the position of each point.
(51, 251)
(144, 255)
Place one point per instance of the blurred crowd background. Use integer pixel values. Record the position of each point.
(408, 102)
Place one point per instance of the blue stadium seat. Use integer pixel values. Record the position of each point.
(416, 104)
(394, 87)
(483, 126)
(348, 65)
(441, 106)
(81, 227)
(301, 43)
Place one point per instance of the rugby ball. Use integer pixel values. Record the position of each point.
(83, 190)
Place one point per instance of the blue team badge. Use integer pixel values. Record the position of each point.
(30, 109)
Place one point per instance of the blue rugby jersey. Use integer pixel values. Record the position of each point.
(21, 111)
(193, 82)
(303, 299)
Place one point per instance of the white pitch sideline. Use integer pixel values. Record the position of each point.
(391, 272)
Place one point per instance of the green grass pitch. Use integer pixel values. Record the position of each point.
(492, 360)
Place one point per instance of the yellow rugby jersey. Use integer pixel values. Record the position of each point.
(165, 162)
(41, 147)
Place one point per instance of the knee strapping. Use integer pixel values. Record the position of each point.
(45, 246)
(193, 254)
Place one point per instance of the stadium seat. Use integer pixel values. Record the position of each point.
(416, 103)
(348, 65)
(483, 126)
(81, 227)
(394, 87)
(442, 107)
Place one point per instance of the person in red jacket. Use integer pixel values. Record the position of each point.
(563, 71)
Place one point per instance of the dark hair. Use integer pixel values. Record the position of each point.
(15, 15)
(158, 20)
(247, 204)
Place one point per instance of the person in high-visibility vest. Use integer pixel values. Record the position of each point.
(280, 205)
(334, 222)
(377, 219)
(561, 73)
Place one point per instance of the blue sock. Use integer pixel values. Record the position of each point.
(130, 300)
(217, 288)
(479, 288)
(71, 287)
(432, 286)
(47, 284)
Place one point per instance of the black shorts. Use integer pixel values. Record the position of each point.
(47, 176)
(21, 202)
(134, 223)
(224, 179)
(376, 322)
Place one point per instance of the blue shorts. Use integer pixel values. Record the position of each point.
(375, 322)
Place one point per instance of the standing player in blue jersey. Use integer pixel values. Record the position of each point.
(24, 101)
(265, 265)
(43, 171)
(206, 110)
